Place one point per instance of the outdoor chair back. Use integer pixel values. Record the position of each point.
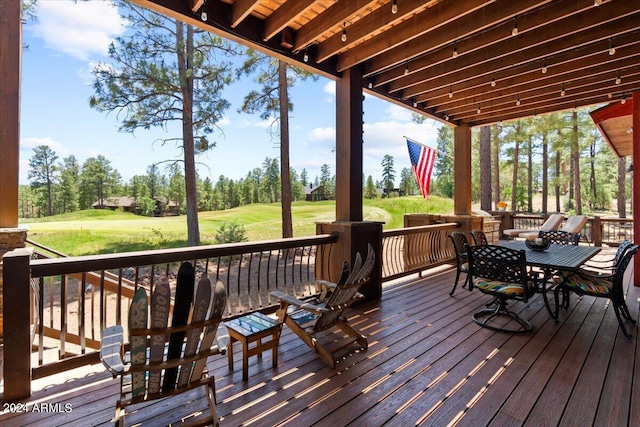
(309, 317)
(460, 243)
(609, 286)
(149, 371)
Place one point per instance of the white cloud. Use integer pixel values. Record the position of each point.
(397, 112)
(330, 88)
(78, 29)
(263, 124)
(327, 134)
(28, 144)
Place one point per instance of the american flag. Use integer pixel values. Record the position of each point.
(422, 160)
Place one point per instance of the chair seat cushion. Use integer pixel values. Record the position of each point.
(464, 267)
(590, 284)
(498, 287)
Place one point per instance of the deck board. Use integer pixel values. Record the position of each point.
(427, 364)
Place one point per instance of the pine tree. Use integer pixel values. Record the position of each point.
(165, 71)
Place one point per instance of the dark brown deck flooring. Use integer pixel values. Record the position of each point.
(427, 364)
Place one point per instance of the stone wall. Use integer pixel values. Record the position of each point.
(10, 239)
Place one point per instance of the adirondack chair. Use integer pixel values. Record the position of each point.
(136, 378)
(308, 318)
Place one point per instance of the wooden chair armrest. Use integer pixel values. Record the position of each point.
(111, 350)
(298, 303)
(326, 284)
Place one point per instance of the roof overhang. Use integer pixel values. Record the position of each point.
(615, 122)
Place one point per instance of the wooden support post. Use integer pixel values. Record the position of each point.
(17, 345)
(462, 170)
(349, 146)
(10, 51)
(596, 231)
(353, 237)
(636, 184)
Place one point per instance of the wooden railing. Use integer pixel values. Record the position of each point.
(413, 249)
(77, 297)
(598, 230)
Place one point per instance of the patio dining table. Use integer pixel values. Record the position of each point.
(555, 258)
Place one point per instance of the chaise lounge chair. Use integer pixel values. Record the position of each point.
(573, 225)
(552, 223)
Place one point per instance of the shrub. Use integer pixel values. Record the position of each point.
(231, 232)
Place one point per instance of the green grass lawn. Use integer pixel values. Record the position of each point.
(100, 231)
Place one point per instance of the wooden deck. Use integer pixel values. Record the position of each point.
(427, 364)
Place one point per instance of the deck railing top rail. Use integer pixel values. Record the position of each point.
(79, 264)
(418, 229)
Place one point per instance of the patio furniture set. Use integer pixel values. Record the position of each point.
(547, 260)
(513, 271)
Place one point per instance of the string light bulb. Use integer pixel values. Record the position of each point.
(514, 30)
(203, 13)
(597, 2)
(562, 92)
(544, 67)
(612, 48)
(455, 50)
(415, 104)
(344, 32)
(478, 110)
(370, 85)
(618, 78)
(446, 116)
(518, 100)
(394, 7)
(450, 92)
(624, 100)
(305, 57)
(406, 69)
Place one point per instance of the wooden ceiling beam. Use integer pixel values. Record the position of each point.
(500, 33)
(576, 100)
(563, 63)
(284, 15)
(331, 18)
(368, 26)
(564, 34)
(240, 9)
(480, 20)
(477, 65)
(568, 104)
(410, 29)
(196, 5)
(583, 87)
(524, 84)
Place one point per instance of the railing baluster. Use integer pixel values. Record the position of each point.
(41, 321)
(63, 315)
(81, 313)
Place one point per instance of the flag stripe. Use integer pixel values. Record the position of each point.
(422, 161)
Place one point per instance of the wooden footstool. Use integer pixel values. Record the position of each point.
(252, 328)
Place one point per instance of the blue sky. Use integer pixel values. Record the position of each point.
(69, 38)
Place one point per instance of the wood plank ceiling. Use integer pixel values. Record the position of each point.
(469, 62)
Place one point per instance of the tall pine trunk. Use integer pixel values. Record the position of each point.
(285, 174)
(495, 161)
(622, 194)
(575, 163)
(545, 172)
(185, 63)
(485, 168)
(530, 174)
(516, 157)
(557, 184)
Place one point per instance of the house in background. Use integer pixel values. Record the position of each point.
(128, 204)
(164, 206)
(314, 194)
